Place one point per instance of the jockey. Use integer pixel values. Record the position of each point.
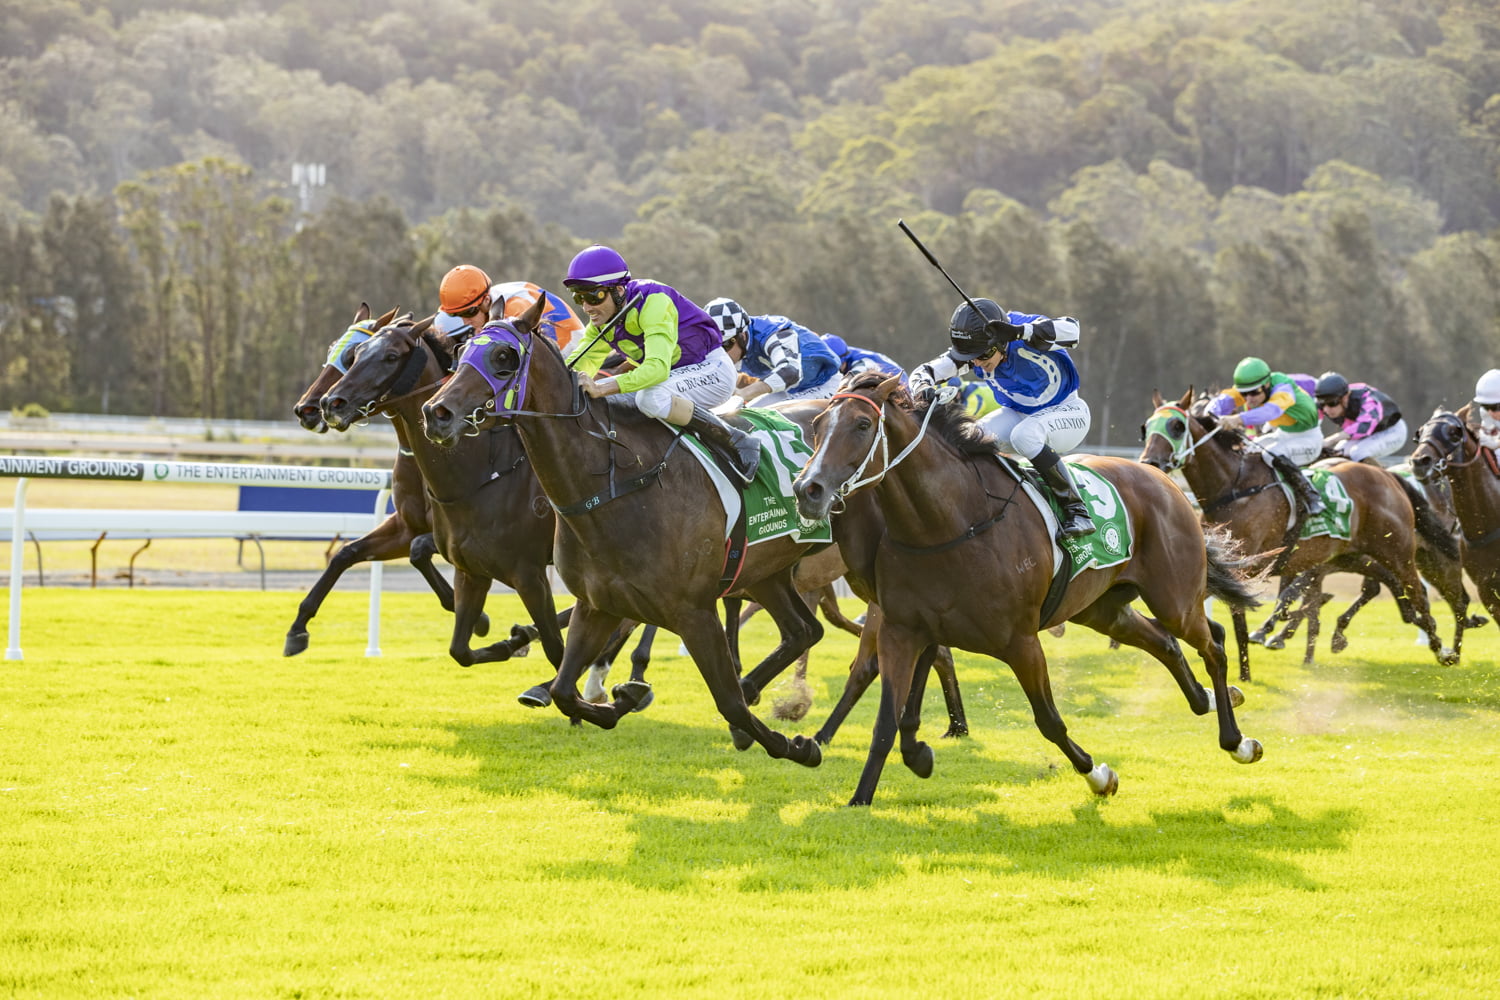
(1276, 401)
(678, 368)
(1370, 424)
(857, 359)
(1487, 402)
(466, 292)
(785, 359)
(1024, 360)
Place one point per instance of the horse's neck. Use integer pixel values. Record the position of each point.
(1213, 471)
(448, 472)
(565, 456)
(1476, 497)
(924, 498)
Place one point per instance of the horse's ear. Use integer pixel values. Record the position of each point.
(1156, 399)
(362, 313)
(532, 318)
(1186, 400)
(884, 389)
(385, 320)
(497, 309)
(422, 326)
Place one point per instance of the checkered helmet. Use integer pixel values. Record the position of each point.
(731, 319)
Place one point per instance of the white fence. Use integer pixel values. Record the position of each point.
(72, 523)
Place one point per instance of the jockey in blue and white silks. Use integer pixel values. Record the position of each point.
(1023, 360)
(853, 360)
(785, 360)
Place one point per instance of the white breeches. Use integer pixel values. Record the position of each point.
(708, 383)
(1061, 427)
(1379, 444)
(1301, 447)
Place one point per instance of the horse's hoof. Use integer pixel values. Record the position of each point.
(805, 751)
(1338, 642)
(296, 642)
(482, 625)
(1257, 637)
(535, 697)
(822, 739)
(1475, 621)
(1236, 697)
(742, 740)
(955, 731)
(1448, 658)
(1102, 780)
(1249, 751)
(919, 761)
(630, 696)
(618, 693)
(1275, 644)
(750, 691)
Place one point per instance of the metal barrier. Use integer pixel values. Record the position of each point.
(187, 524)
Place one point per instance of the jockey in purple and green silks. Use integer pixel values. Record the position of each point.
(1275, 400)
(678, 368)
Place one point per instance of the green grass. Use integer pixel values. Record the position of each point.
(185, 813)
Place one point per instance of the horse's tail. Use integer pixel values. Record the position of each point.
(1429, 524)
(1230, 574)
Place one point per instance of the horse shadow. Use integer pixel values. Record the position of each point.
(690, 820)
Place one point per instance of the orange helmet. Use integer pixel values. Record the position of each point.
(462, 288)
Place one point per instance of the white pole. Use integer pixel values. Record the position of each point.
(17, 568)
(377, 577)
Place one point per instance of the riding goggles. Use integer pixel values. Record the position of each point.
(591, 296)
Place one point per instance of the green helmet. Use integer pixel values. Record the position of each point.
(1251, 373)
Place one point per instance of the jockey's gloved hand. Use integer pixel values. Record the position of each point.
(1040, 335)
(920, 385)
(1002, 332)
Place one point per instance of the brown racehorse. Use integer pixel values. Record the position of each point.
(1446, 446)
(967, 560)
(489, 516)
(405, 532)
(1237, 489)
(640, 530)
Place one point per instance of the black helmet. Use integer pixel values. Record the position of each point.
(969, 330)
(1330, 388)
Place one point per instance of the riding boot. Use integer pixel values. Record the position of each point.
(1075, 520)
(742, 449)
(1306, 492)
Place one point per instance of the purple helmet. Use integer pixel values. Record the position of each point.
(597, 265)
(836, 344)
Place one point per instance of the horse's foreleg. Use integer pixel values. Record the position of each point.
(704, 637)
(423, 547)
(827, 600)
(1368, 590)
(899, 648)
(732, 619)
(388, 540)
(862, 671)
(1411, 600)
(915, 754)
(469, 592)
(589, 631)
(1290, 589)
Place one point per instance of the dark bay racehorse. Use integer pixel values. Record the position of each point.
(641, 532)
(1238, 490)
(967, 560)
(405, 532)
(489, 516)
(1447, 447)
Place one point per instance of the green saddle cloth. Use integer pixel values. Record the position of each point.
(1337, 507)
(1112, 540)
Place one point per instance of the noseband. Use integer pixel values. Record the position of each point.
(881, 443)
(1183, 449)
(1445, 459)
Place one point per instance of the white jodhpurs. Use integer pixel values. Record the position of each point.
(1301, 447)
(823, 390)
(708, 383)
(1379, 444)
(1061, 428)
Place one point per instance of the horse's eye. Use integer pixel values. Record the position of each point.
(391, 356)
(1176, 427)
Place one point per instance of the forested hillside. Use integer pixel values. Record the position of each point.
(1312, 181)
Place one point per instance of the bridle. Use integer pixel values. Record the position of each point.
(881, 443)
(402, 384)
(507, 390)
(1182, 448)
(1445, 459)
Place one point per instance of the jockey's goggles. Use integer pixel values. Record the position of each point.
(470, 312)
(1492, 407)
(591, 296)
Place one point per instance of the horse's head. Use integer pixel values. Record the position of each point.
(308, 409)
(1166, 435)
(489, 381)
(386, 366)
(1440, 442)
(846, 437)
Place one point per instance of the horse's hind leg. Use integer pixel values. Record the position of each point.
(1112, 615)
(827, 600)
(862, 671)
(388, 540)
(1411, 600)
(1029, 664)
(958, 722)
(915, 754)
(1290, 590)
(704, 637)
(1241, 641)
(799, 627)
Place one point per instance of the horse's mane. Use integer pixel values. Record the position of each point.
(442, 346)
(950, 421)
(1199, 410)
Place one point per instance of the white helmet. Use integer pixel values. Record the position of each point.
(1487, 389)
(730, 317)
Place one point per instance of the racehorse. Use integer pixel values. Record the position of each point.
(489, 516)
(640, 529)
(967, 560)
(1448, 447)
(405, 532)
(1237, 489)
